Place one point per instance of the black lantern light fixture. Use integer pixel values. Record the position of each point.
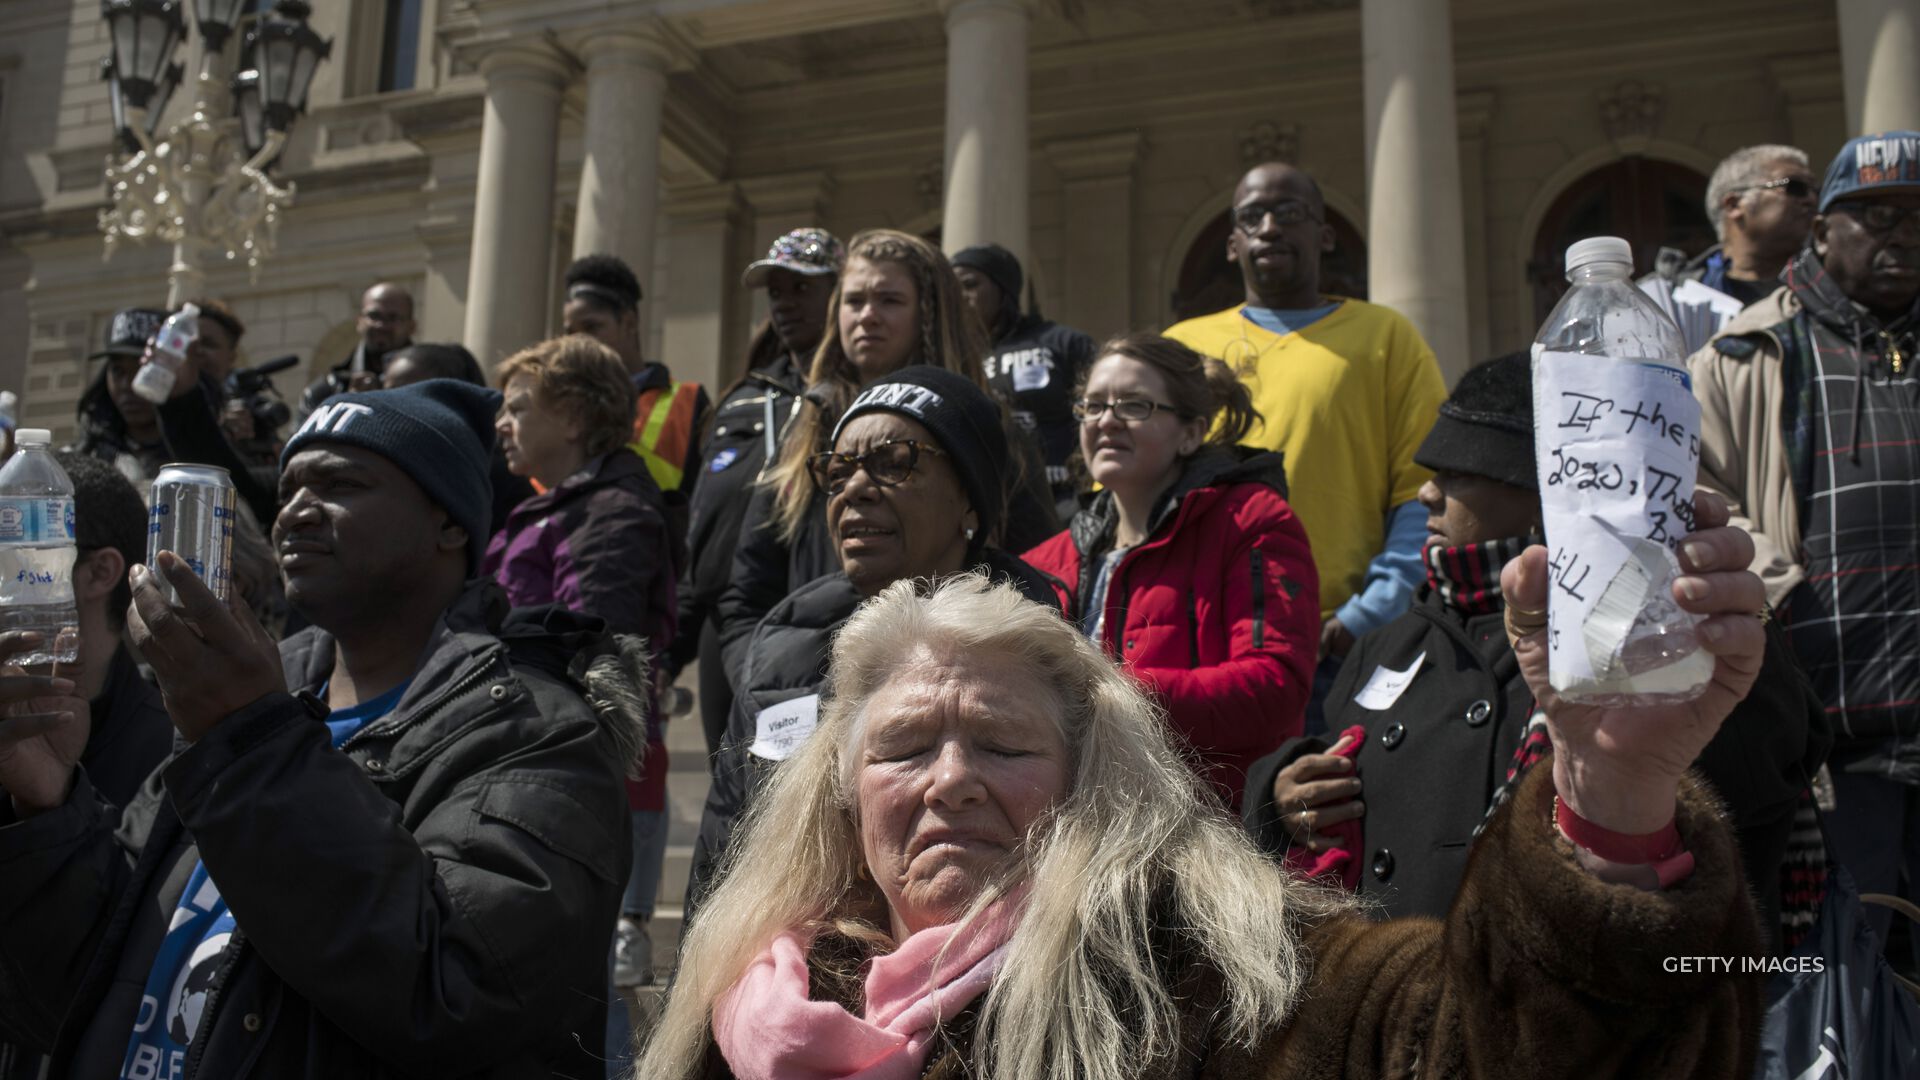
(217, 19)
(156, 104)
(286, 51)
(246, 103)
(144, 34)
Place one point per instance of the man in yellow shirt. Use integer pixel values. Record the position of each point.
(1348, 390)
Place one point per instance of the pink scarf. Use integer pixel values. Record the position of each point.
(767, 1029)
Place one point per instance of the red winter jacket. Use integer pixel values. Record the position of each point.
(1218, 613)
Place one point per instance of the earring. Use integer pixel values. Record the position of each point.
(969, 531)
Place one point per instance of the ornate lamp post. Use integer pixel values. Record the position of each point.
(202, 185)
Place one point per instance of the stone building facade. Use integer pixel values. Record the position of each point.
(469, 148)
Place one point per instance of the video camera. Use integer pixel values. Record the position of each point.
(253, 388)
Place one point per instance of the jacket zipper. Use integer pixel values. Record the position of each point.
(1259, 598)
(459, 689)
(203, 1034)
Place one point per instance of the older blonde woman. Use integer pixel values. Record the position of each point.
(989, 862)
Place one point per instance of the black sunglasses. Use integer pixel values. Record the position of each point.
(887, 464)
(1795, 187)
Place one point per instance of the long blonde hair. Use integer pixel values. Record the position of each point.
(950, 337)
(1138, 842)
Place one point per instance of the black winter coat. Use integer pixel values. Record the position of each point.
(787, 660)
(1434, 757)
(436, 898)
(730, 461)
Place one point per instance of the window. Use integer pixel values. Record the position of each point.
(399, 45)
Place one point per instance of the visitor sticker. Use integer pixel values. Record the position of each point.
(780, 729)
(1385, 685)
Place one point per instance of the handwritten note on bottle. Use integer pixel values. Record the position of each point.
(1617, 447)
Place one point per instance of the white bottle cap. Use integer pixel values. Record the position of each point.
(1599, 249)
(32, 436)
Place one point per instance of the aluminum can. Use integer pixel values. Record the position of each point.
(192, 516)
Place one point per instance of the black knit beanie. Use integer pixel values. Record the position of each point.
(963, 420)
(1486, 427)
(1000, 267)
(440, 432)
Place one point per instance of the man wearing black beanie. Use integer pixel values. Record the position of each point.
(393, 845)
(1035, 364)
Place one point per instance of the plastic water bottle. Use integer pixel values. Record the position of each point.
(1616, 441)
(154, 381)
(37, 550)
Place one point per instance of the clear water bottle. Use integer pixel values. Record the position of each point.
(37, 551)
(154, 381)
(1616, 440)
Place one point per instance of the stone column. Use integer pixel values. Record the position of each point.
(1475, 111)
(986, 185)
(1416, 260)
(1096, 175)
(1879, 40)
(507, 301)
(699, 339)
(620, 178)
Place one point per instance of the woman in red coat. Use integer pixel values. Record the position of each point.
(1188, 565)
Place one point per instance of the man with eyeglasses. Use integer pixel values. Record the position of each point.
(1761, 202)
(1347, 390)
(385, 325)
(1810, 425)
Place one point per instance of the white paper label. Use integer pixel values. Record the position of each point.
(780, 729)
(1617, 445)
(1385, 685)
(1034, 375)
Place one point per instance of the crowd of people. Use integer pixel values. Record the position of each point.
(1173, 706)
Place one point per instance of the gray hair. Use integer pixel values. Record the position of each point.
(1137, 841)
(1741, 169)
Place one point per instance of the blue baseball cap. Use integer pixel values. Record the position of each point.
(1871, 164)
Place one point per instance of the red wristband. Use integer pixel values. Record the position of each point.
(1663, 850)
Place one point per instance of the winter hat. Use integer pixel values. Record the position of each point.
(1871, 165)
(963, 420)
(998, 264)
(440, 432)
(1486, 427)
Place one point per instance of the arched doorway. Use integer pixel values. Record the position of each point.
(1208, 282)
(1651, 204)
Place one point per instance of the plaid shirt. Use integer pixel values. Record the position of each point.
(1855, 621)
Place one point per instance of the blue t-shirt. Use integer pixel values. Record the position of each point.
(188, 962)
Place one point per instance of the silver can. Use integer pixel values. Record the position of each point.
(192, 516)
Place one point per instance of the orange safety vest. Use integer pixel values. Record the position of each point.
(663, 431)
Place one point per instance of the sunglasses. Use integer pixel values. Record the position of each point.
(1794, 186)
(1878, 217)
(887, 464)
(1132, 410)
(1251, 216)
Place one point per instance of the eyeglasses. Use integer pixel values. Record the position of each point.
(1132, 410)
(887, 464)
(1251, 216)
(1794, 186)
(1877, 216)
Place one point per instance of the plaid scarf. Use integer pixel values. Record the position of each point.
(1468, 577)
